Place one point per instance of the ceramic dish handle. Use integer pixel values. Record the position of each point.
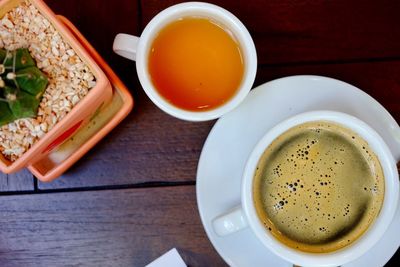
(230, 222)
(125, 45)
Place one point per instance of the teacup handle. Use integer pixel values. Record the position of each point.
(125, 45)
(230, 222)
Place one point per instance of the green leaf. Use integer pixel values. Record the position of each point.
(23, 85)
(6, 116)
(32, 81)
(23, 58)
(10, 93)
(24, 106)
(2, 55)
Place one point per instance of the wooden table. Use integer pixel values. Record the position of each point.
(132, 197)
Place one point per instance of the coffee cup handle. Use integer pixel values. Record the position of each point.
(125, 45)
(230, 222)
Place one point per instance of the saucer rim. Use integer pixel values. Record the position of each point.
(381, 110)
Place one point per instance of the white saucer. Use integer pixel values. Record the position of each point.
(233, 137)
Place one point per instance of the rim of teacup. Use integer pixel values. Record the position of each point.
(220, 15)
(375, 230)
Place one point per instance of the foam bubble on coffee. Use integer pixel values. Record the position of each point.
(318, 187)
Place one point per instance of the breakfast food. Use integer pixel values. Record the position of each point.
(69, 78)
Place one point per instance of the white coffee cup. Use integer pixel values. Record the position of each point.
(245, 215)
(135, 48)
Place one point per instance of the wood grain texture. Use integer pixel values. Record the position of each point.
(153, 137)
(312, 30)
(99, 22)
(150, 146)
(103, 228)
(378, 79)
(356, 41)
(20, 181)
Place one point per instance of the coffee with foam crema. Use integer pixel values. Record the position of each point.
(318, 187)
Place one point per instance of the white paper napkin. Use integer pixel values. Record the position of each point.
(169, 259)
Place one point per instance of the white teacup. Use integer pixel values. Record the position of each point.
(246, 216)
(135, 48)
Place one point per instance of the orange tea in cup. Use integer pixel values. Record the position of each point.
(195, 64)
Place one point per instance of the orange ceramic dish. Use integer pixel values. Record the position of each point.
(99, 95)
(48, 169)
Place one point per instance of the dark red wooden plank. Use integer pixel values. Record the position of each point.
(378, 79)
(103, 228)
(20, 181)
(151, 146)
(312, 30)
(99, 22)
